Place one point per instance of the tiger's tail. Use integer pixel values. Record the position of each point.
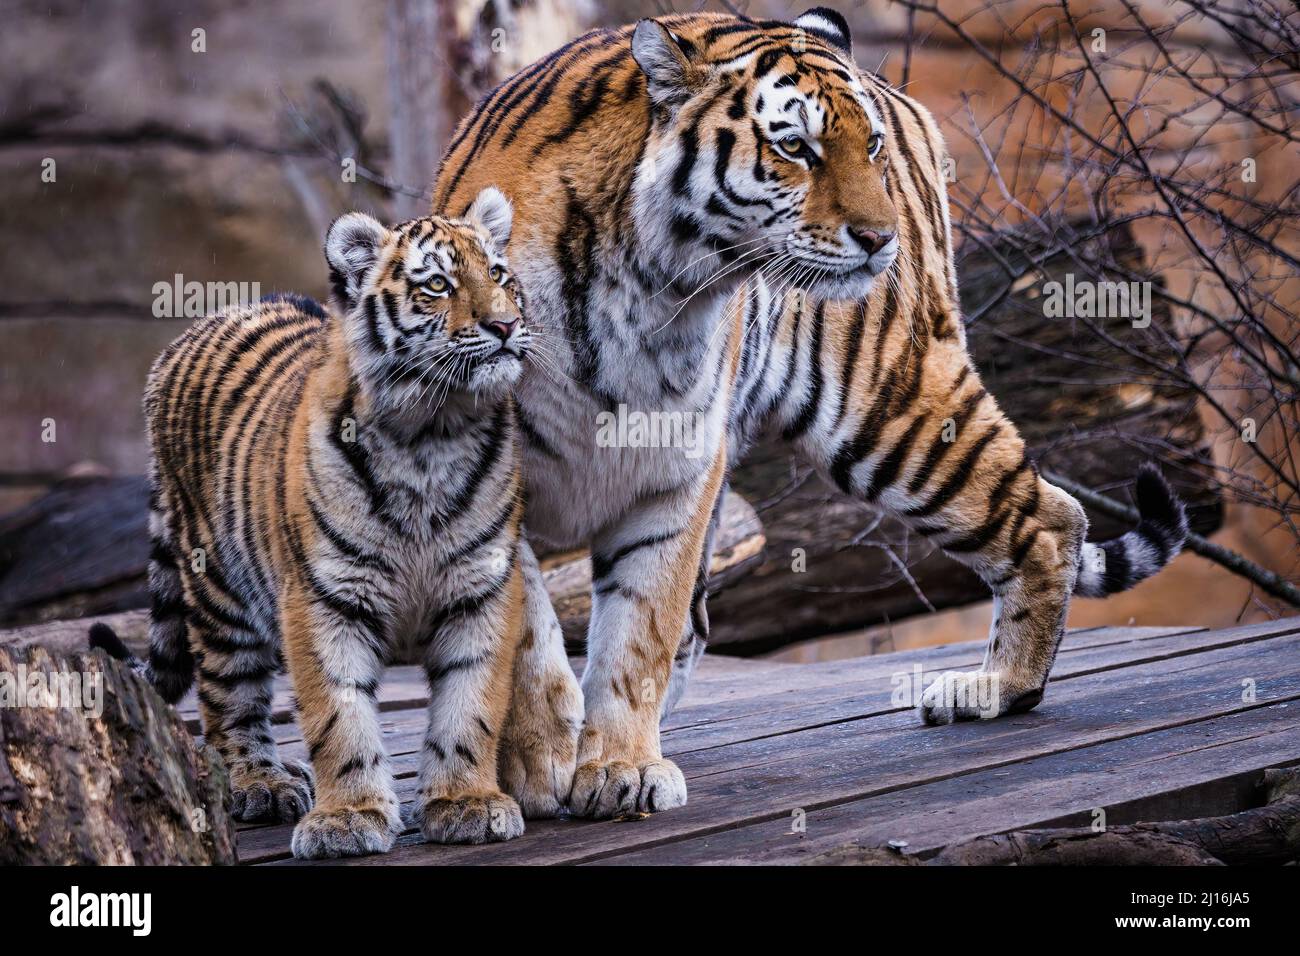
(104, 638)
(170, 682)
(1111, 566)
(170, 667)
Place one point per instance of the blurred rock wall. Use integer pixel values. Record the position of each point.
(141, 139)
(207, 155)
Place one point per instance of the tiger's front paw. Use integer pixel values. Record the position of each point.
(329, 833)
(611, 788)
(271, 790)
(471, 818)
(974, 695)
(539, 748)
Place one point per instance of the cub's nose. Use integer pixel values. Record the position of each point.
(500, 328)
(870, 240)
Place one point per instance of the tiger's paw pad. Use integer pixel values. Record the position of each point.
(616, 788)
(325, 834)
(963, 695)
(476, 818)
(271, 791)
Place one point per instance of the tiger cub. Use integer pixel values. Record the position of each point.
(336, 485)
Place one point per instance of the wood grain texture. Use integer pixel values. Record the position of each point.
(1261, 835)
(1147, 723)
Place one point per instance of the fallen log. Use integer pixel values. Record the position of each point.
(738, 549)
(1268, 834)
(68, 636)
(79, 549)
(96, 769)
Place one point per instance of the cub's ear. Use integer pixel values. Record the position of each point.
(664, 58)
(351, 247)
(492, 211)
(828, 25)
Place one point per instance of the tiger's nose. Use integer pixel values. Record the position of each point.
(870, 240)
(500, 328)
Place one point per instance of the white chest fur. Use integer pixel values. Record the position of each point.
(650, 416)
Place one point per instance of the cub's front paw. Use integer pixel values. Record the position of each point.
(539, 749)
(271, 790)
(973, 695)
(471, 818)
(612, 788)
(327, 833)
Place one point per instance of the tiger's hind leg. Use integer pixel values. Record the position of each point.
(1032, 572)
(237, 664)
(199, 625)
(539, 744)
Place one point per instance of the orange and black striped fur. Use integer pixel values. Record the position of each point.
(726, 219)
(336, 485)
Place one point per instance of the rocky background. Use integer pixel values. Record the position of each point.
(141, 140)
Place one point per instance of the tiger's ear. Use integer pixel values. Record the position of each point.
(662, 56)
(828, 25)
(492, 211)
(351, 247)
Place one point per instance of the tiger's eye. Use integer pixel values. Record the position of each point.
(792, 145)
(437, 284)
(874, 142)
(496, 274)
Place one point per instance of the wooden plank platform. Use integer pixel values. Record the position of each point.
(1145, 723)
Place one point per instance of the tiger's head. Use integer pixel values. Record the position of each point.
(430, 305)
(769, 152)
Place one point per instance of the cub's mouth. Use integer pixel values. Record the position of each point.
(504, 353)
(496, 369)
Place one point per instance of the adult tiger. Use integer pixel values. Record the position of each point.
(672, 181)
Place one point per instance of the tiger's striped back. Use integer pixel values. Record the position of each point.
(219, 404)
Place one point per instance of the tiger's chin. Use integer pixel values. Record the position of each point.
(496, 375)
(851, 284)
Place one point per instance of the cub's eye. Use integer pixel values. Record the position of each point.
(437, 286)
(792, 146)
(497, 275)
(874, 142)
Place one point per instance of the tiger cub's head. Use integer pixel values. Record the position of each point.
(430, 305)
(764, 143)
